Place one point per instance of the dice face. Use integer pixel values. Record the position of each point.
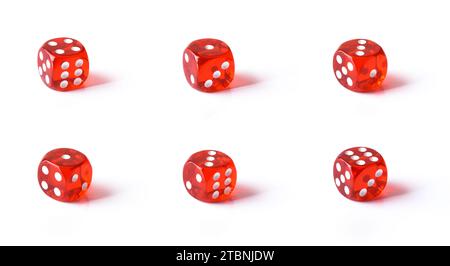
(360, 65)
(360, 173)
(63, 64)
(64, 174)
(208, 65)
(209, 176)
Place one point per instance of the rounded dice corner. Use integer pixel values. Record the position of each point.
(64, 174)
(360, 174)
(208, 65)
(63, 64)
(367, 69)
(210, 176)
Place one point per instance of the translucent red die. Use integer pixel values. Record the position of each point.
(360, 173)
(208, 65)
(210, 176)
(360, 65)
(63, 64)
(65, 174)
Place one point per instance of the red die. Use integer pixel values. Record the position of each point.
(208, 65)
(360, 173)
(210, 176)
(63, 64)
(65, 174)
(360, 65)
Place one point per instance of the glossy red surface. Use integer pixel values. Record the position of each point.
(65, 174)
(360, 65)
(360, 173)
(208, 65)
(210, 176)
(63, 64)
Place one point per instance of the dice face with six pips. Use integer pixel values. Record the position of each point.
(360, 65)
(63, 64)
(65, 174)
(210, 176)
(208, 65)
(360, 173)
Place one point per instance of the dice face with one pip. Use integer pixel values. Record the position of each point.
(210, 176)
(360, 65)
(65, 174)
(208, 65)
(63, 64)
(360, 173)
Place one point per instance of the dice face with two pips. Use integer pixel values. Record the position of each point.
(210, 176)
(360, 173)
(65, 174)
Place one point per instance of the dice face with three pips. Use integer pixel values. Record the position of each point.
(360, 173)
(63, 64)
(360, 65)
(208, 65)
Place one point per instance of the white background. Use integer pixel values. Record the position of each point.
(283, 123)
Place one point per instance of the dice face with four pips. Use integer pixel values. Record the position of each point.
(65, 174)
(360, 65)
(360, 173)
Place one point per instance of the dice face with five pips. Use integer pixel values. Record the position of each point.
(63, 64)
(360, 173)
